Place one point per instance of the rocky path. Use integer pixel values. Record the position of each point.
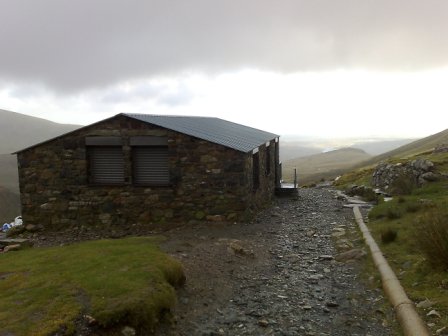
(278, 275)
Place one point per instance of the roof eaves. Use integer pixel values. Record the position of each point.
(65, 134)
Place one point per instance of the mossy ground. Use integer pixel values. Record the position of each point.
(420, 279)
(413, 267)
(125, 281)
(360, 176)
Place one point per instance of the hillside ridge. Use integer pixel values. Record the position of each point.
(18, 131)
(318, 165)
(416, 147)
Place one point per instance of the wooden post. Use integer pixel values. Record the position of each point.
(295, 178)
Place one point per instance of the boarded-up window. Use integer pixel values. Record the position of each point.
(150, 160)
(150, 165)
(106, 165)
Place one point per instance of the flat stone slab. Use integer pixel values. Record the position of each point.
(355, 201)
(15, 241)
(365, 205)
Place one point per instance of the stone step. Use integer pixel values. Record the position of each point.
(15, 241)
(286, 192)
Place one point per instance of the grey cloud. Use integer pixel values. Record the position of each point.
(72, 45)
(114, 96)
(119, 95)
(24, 91)
(180, 96)
(160, 93)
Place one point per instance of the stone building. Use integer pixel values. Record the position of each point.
(149, 170)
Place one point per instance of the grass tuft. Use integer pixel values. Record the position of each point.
(403, 185)
(359, 177)
(413, 207)
(432, 236)
(388, 236)
(393, 213)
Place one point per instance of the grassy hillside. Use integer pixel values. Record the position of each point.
(315, 167)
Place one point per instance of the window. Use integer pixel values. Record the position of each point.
(105, 160)
(277, 164)
(268, 159)
(150, 161)
(256, 170)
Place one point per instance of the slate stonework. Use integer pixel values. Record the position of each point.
(208, 182)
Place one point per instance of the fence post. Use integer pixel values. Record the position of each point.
(295, 178)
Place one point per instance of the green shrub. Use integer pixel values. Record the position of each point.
(401, 199)
(393, 213)
(413, 207)
(367, 193)
(388, 236)
(403, 185)
(432, 236)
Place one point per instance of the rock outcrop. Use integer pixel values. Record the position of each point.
(401, 178)
(441, 148)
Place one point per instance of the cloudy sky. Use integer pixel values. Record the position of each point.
(309, 67)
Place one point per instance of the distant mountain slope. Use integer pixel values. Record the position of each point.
(9, 176)
(316, 166)
(18, 131)
(9, 205)
(381, 146)
(292, 150)
(413, 148)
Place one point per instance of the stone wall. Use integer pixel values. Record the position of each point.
(208, 182)
(261, 197)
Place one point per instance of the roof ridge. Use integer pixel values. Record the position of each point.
(220, 131)
(167, 115)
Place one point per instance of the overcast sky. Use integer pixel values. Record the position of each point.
(309, 67)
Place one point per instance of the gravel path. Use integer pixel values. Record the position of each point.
(277, 275)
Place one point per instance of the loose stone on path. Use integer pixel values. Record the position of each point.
(297, 284)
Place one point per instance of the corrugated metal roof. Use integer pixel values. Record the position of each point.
(216, 130)
(223, 132)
